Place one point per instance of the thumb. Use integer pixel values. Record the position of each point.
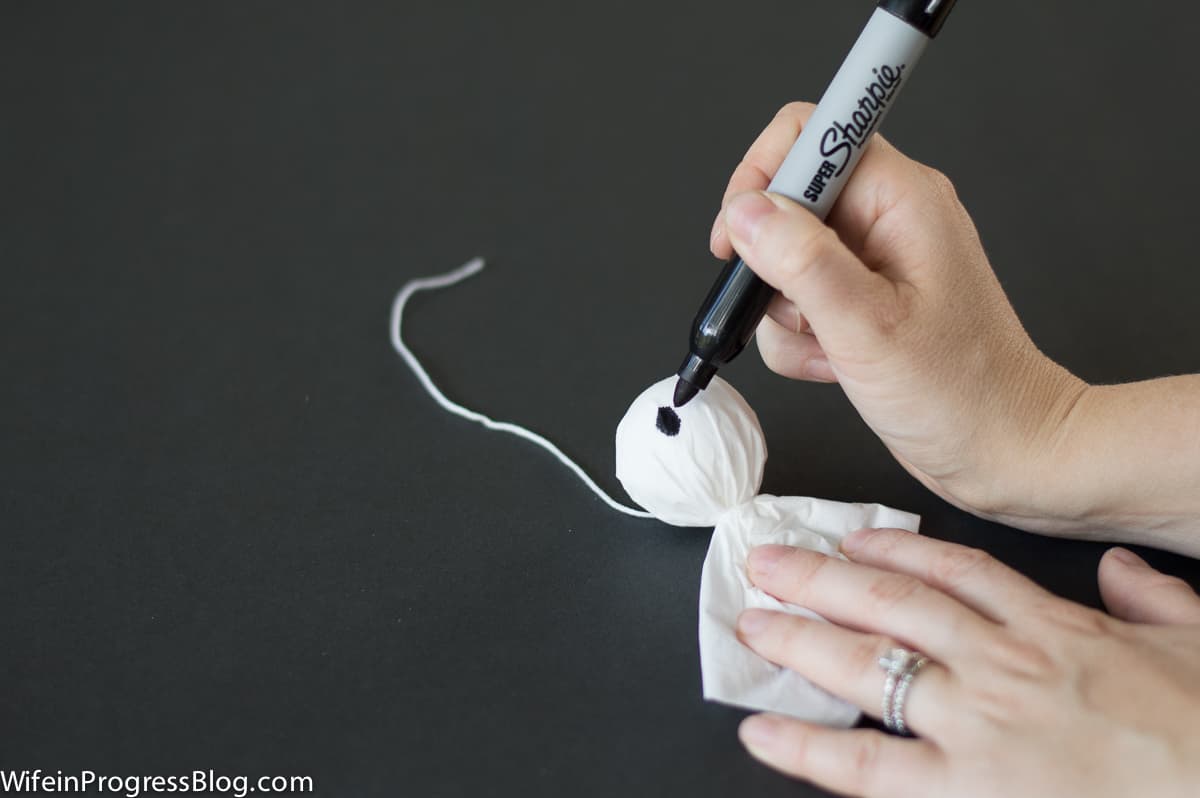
(846, 304)
(1135, 592)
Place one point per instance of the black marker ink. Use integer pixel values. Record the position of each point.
(668, 422)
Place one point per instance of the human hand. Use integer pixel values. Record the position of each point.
(1026, 695)
(896, 301)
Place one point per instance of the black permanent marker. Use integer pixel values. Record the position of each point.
(815, 170)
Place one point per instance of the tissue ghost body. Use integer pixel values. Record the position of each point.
(708, 473)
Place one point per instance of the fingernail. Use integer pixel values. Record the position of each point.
(818, 368)
(751, 622)
(763, 559)
(856, 540)
(757, 732)
(716, 231)
(744, 215)
(1127, 557)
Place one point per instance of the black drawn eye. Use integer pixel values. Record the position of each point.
(668, 421)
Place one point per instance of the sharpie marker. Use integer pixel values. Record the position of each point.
(815, 170)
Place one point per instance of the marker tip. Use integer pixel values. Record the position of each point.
(684, 392)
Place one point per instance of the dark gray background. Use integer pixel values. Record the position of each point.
(236, 533)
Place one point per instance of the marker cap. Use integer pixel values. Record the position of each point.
(927, 16)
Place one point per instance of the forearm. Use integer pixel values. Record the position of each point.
(1123, 465)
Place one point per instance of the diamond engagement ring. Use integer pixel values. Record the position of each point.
(902, 666)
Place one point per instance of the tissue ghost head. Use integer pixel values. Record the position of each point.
(690, 468)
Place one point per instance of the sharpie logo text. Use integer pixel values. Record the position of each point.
(841, 139)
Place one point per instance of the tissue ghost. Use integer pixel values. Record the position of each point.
(701, 465)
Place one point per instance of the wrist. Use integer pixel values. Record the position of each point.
(1045, 495)
(1025, 453)
(1116, 463)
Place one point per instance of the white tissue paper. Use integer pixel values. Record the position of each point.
(708, 473)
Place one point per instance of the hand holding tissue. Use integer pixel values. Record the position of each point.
(702, 465)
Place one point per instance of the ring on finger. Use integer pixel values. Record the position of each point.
(902, 666)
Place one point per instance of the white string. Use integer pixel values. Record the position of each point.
(468, 269)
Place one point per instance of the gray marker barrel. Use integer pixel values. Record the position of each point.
(851, 110)
(815, 170)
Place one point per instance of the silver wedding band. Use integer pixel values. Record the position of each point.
(901, 666)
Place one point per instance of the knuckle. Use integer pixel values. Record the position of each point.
(996, 707)
(1165, 583)
(746, 176)
(807, 251)
(957, 565)
(802, 569)
(778, 350)
(797, 110)
(878, 321)
(891, 318)
(885, 318)
(891, 590)
(941, 183)
(879, 544)
(769, 349)
(797, 758)
(790, 631)
(866, 757)
(808, 563)
(1092, 623)
(1084, 621)
(888, 541)
(1022, 658)
(867, 652)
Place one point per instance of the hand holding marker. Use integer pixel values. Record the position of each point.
(818, 166)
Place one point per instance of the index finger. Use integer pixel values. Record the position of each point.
(972, 576)
(760, 163)
(872, 600)
(874, 186)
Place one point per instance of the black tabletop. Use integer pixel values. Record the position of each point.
(238, 536)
